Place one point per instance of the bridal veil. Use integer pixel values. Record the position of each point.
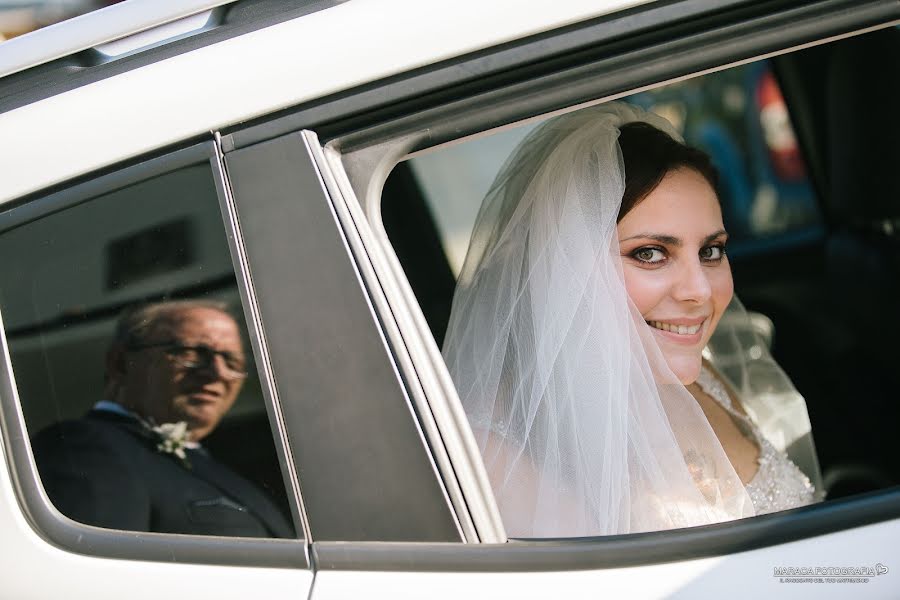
(583, 428)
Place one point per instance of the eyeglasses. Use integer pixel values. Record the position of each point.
(198, 357)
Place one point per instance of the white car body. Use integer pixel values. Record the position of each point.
(194, 95)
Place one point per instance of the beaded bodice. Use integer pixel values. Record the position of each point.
(778, 484)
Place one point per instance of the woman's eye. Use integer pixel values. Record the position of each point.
(649, 255)
(712, 253)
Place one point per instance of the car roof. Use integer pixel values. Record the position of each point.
(253, 74)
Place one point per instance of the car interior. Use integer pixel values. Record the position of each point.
(823, 260)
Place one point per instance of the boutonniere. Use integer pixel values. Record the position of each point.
(173, 438)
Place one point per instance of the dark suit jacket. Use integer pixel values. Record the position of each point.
(105, 470)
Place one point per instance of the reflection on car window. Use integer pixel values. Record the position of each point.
(133, 367)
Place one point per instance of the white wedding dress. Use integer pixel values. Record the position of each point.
(779, 484)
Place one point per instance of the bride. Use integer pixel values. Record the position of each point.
(612, 382)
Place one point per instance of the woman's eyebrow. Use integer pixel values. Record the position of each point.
(663, 239)
(671, 240)
(715, 235)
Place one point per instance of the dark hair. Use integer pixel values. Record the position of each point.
(649, 154)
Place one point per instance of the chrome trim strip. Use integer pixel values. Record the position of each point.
(257, 336)
(92, 29)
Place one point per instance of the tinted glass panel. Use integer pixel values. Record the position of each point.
(133, 366)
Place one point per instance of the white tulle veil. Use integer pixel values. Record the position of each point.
(583, 428)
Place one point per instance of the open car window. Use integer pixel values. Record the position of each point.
(792, 235)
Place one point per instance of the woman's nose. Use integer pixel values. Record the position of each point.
(692, 284)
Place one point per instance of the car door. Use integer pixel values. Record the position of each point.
(810, 552)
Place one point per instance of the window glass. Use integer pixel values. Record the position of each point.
(133, 365)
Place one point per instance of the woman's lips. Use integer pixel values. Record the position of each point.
(681, 331)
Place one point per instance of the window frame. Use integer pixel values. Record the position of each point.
(617, 551)
(613, 44)
(121, 544)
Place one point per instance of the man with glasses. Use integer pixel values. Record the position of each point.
(135, 462)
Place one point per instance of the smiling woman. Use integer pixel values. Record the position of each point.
(676, 272)
(672, 243)
(578, 331)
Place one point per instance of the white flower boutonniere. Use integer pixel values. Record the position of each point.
(173, 439)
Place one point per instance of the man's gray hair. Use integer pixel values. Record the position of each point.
(136, 325)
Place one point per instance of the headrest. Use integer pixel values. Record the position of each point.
(863, 95)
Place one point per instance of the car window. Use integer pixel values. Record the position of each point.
(778, 185)
(132, 361)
